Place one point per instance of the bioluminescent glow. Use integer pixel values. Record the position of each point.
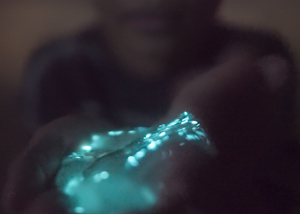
(165, 138)
(140, 154)
(86, 148)
(75, 155)
(128, 178)
(132, 161)
(162, 134)
(72, 185)
(79, 210)
(158, 142)
(132, 132)
(96, 137)
(181, 133)
(101, 176)
(191, 137)
(194, 122)
(104, 175)
(115, 133)
(152, 146)
(200, 133)
(149, 195)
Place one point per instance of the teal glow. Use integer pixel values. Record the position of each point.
(72, 185)
(75, 155)
(123, 186)
(115, 133)
(191, 137)
(132, 161)
(96, 137)
(149, 196)
(104, 175)
(184, 122)
(86, 148)
(131, 132)
(173, 123)
(161, 126)
(79, 210)
(158, 142)
(152, 146)
(200, 133)
(101, 176)
(140, 154)
(97, 178)
(162, 134)
(166, 138)
(181, 133)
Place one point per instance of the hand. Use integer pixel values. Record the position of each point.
(29, 184)
(237, 104)
(237, 98)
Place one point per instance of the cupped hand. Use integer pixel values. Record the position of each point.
(236, 104)
(31, 176)
(237, 99)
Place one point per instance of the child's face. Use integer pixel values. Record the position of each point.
(150, 24)
(150, 31)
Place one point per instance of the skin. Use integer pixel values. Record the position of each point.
(237, 93)
(148, 55)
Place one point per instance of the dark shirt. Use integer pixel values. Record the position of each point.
(77, 73)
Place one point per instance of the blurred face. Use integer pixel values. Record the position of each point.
(153, 29)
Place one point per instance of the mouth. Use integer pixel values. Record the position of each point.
(151, 22)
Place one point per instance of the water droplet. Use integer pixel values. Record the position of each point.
(115, 133)
(132, 161)
(152, 146)
(79, 210)
(86, 148)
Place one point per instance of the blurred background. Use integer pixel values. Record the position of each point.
(25, 25)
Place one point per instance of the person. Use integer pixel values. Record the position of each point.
(145, 63)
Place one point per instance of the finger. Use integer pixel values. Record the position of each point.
(217, 85)
(33, 171)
